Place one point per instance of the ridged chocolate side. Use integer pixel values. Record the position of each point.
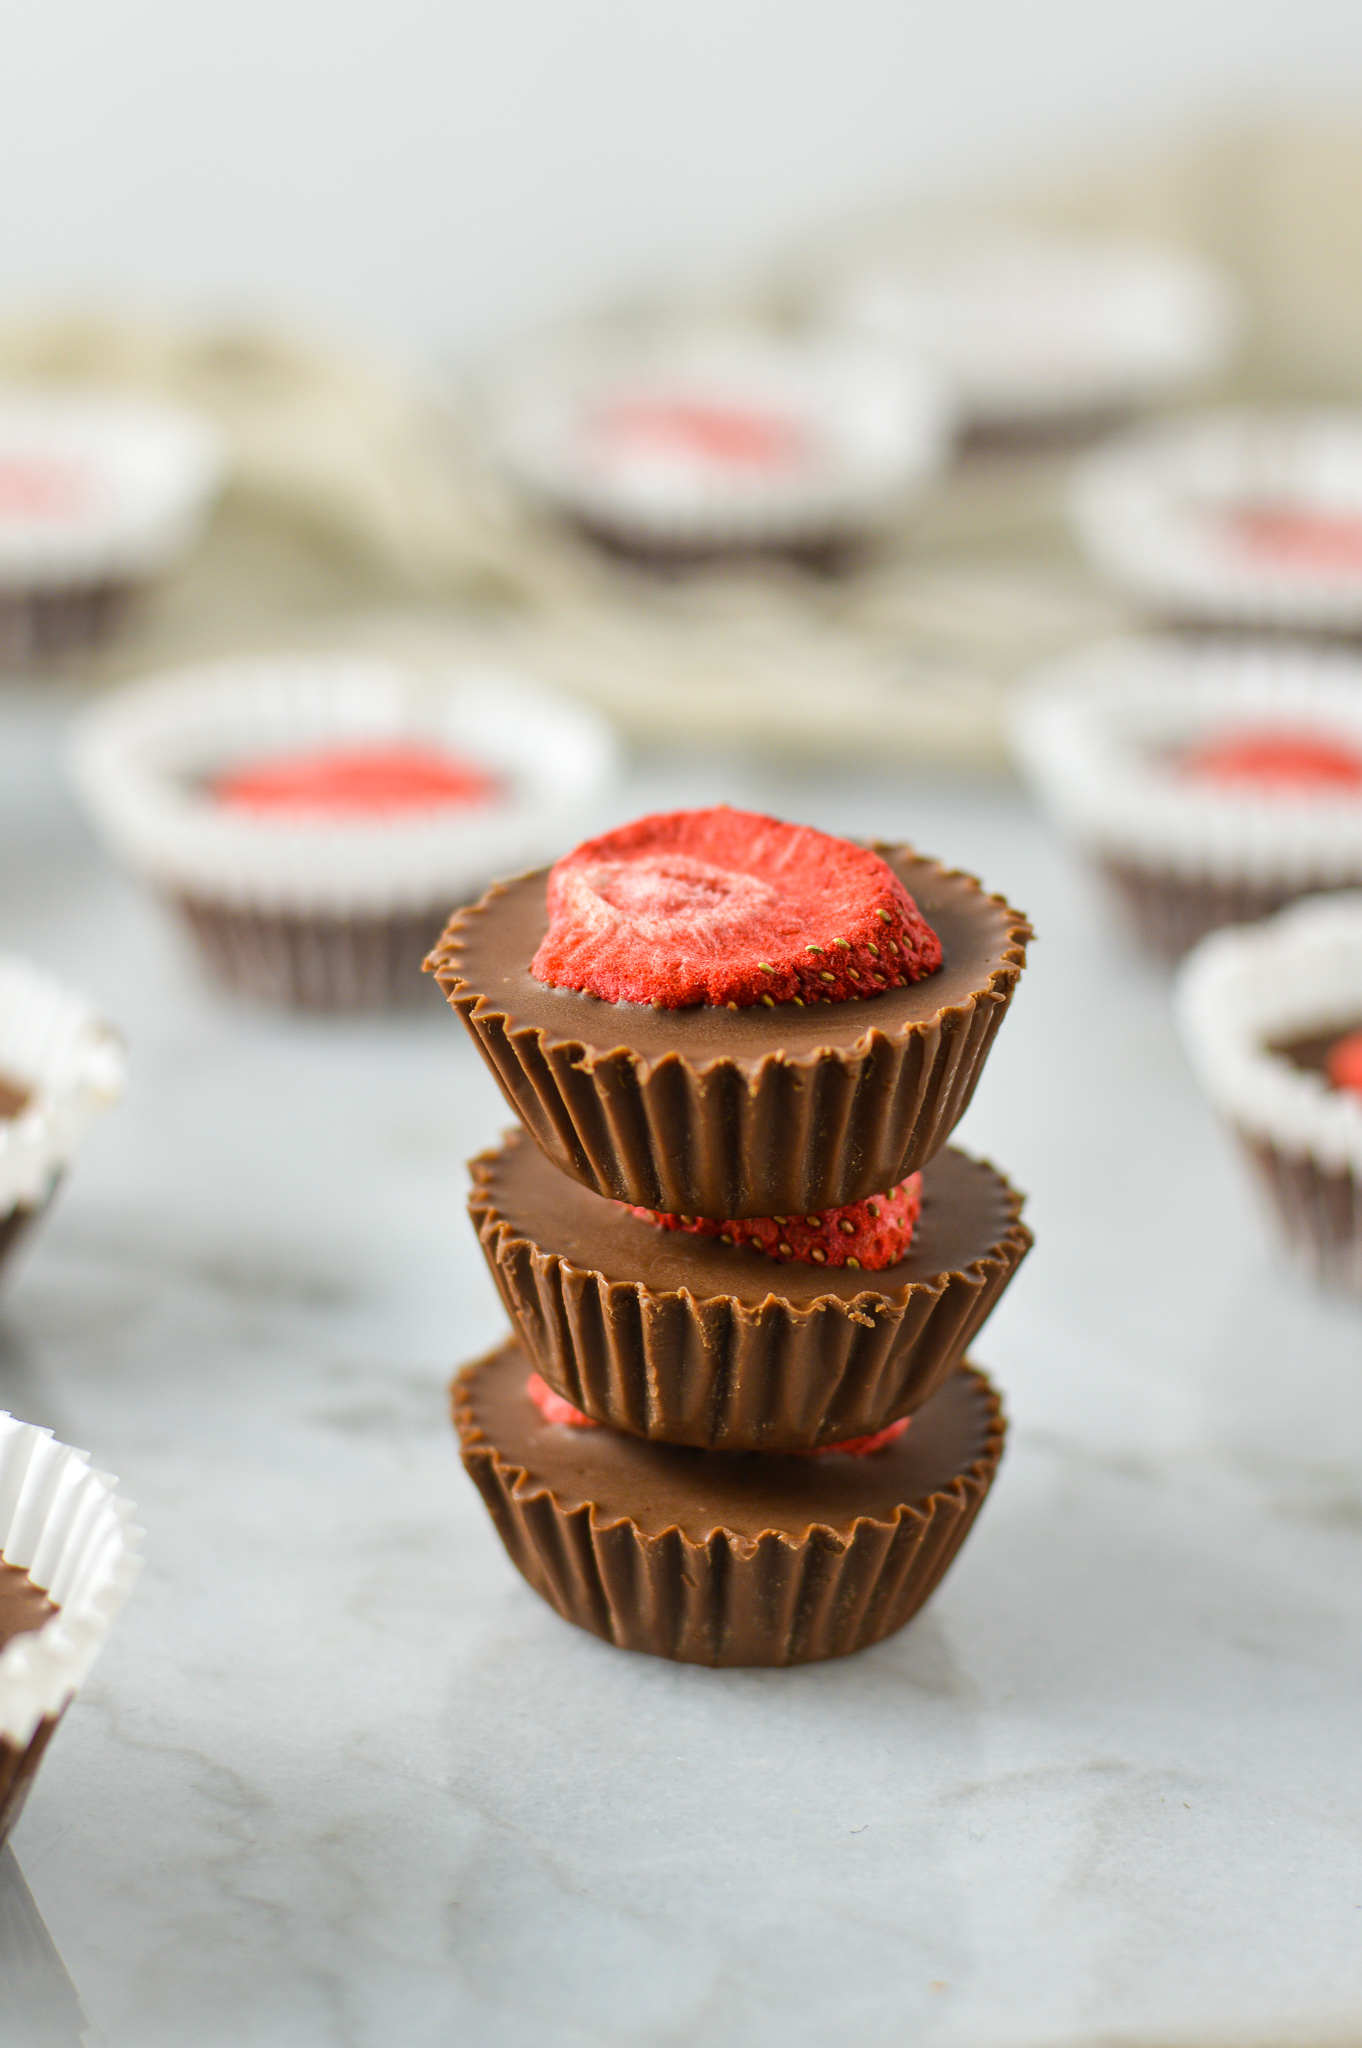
(782, 1598)
(315, 962)
(713, 1371)
(39, 625)
(14, 1226)
(1319, 1210)
(801, 1126)
(1171, 912)
(18, 1769)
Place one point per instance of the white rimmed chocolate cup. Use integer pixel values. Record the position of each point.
(61, 1066)
(331, 913)
(1245, 997)
(1098, 737)
(67, 1529)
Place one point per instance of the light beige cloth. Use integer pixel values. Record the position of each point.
(364, 509)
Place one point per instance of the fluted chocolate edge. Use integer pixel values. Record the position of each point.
(788, 1133)
(720, 1374)
(775, 1599)
(18, 1769)
(1169, 912)
(312, 961)
(1318, 1209)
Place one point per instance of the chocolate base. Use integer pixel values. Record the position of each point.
(1318, 1208)
(831, 556)
(714, 1557)
(18, 1769)
(762, 1111)
(24, 1608)
(1170, 912)
(682, 1339)
(37, 626)
(315, 962)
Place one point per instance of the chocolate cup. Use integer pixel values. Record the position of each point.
(1318, 1210)
(38, 626)
(717, 1557)
(18, 1769)
(684, 1340)
(312, 961)
(708, 1111)
(1171, 912)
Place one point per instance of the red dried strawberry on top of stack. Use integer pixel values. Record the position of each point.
(731, 1234)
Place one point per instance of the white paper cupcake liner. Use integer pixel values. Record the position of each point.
(133, 483)
(56, 1045)
(867, 430)
(1095, 736)
(72, 1532)
(140, 762)
(1293, 975)
(1153, 512)
(1033, 329)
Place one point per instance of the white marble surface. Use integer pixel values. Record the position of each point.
(341, 1779)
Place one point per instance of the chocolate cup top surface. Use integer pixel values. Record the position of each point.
(744, 1494)
(1309, 1051)
(24, 1607)
(14, 1097)
(488, 949)
(967, 1210)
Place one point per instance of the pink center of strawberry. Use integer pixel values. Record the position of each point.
(555, 1409)
(870, 1234)
(1275, 759)
(35, 487)
(729, 907)
(1299, 538)
(725, 436)
(1344, 1064)
(340, 782)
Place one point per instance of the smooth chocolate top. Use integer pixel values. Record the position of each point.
(490, 948)
(663, 1486)
(966, 1209)
(24, 1607)
(14, 1097)
(1310, 1052)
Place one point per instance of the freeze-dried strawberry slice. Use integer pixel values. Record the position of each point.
(872, 1234)
(1274, 760)
(1344, 1064)
(555, 1409)
(723, 906)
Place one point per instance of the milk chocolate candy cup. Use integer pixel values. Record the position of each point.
(1170, 912)
(1259, 1008)
(756, 1112)
(312, 961)
(712, 1557)
(682, 1339)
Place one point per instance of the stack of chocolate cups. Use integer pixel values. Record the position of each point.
(689, 1447)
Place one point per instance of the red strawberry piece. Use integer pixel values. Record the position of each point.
(1275, 759)
(355, 782)
(725, 906)
(1344, 1064)
(872, 1234)
(555, 1409)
